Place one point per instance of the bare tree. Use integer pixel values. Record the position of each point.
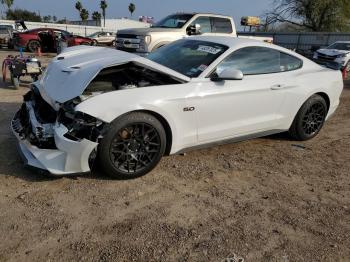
(313, 15)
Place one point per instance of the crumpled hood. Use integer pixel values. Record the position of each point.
(332, 52)
(69, 74)
(145, 31)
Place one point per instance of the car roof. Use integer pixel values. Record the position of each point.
(236, 43)
(204, 14)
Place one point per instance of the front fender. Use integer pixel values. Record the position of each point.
(109, 106)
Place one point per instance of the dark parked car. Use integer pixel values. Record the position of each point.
(46, 39)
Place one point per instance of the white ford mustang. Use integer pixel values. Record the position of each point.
(128, 111)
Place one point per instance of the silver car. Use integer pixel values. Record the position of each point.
(103, 38)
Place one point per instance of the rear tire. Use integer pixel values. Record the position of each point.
(133, 146)
(310, 119)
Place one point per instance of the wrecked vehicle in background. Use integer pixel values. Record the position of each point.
(338, 52)
(128, 111)
(6, 36)
(46, 39)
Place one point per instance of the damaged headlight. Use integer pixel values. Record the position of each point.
(80, 125)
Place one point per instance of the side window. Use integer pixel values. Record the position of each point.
(205, 24)
(221, 25)
(259, 60)
(289, 63)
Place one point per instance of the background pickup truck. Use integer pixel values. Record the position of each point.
(174, 27)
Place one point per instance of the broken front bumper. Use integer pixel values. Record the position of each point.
(68, 156)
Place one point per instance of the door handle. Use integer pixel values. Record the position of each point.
(277, 87)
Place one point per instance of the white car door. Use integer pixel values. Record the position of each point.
(233, 108)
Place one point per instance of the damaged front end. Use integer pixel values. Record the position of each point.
(62, 142)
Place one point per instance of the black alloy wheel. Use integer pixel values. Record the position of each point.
(314, 118)
(133, 146)
(310, 119)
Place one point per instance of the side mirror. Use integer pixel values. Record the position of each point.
(228, 74)
(194, 29)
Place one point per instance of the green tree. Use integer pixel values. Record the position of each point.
(96, 16)
(22, 14)
(84, 14)
(132, 8)
(312, 15)
(78, 6)
(7, 3)
(47, 18)
(103, 5)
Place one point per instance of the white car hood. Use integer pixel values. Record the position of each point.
(332, 52)
(69, 74)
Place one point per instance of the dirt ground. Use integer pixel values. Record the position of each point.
(268, 199)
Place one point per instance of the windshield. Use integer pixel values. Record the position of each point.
(94, 34)
(173, 21)
(188, 57)
(340, 46)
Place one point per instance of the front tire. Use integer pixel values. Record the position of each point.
(133, 146)
(33, 46)
(310, 119)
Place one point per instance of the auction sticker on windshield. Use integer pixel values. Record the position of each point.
(209, 49)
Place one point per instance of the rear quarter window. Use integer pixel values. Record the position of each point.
(221, 25)
(289, 63)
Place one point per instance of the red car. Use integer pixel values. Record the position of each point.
(46, 39)
(79, 40)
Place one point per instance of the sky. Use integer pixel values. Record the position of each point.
(156, 8)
